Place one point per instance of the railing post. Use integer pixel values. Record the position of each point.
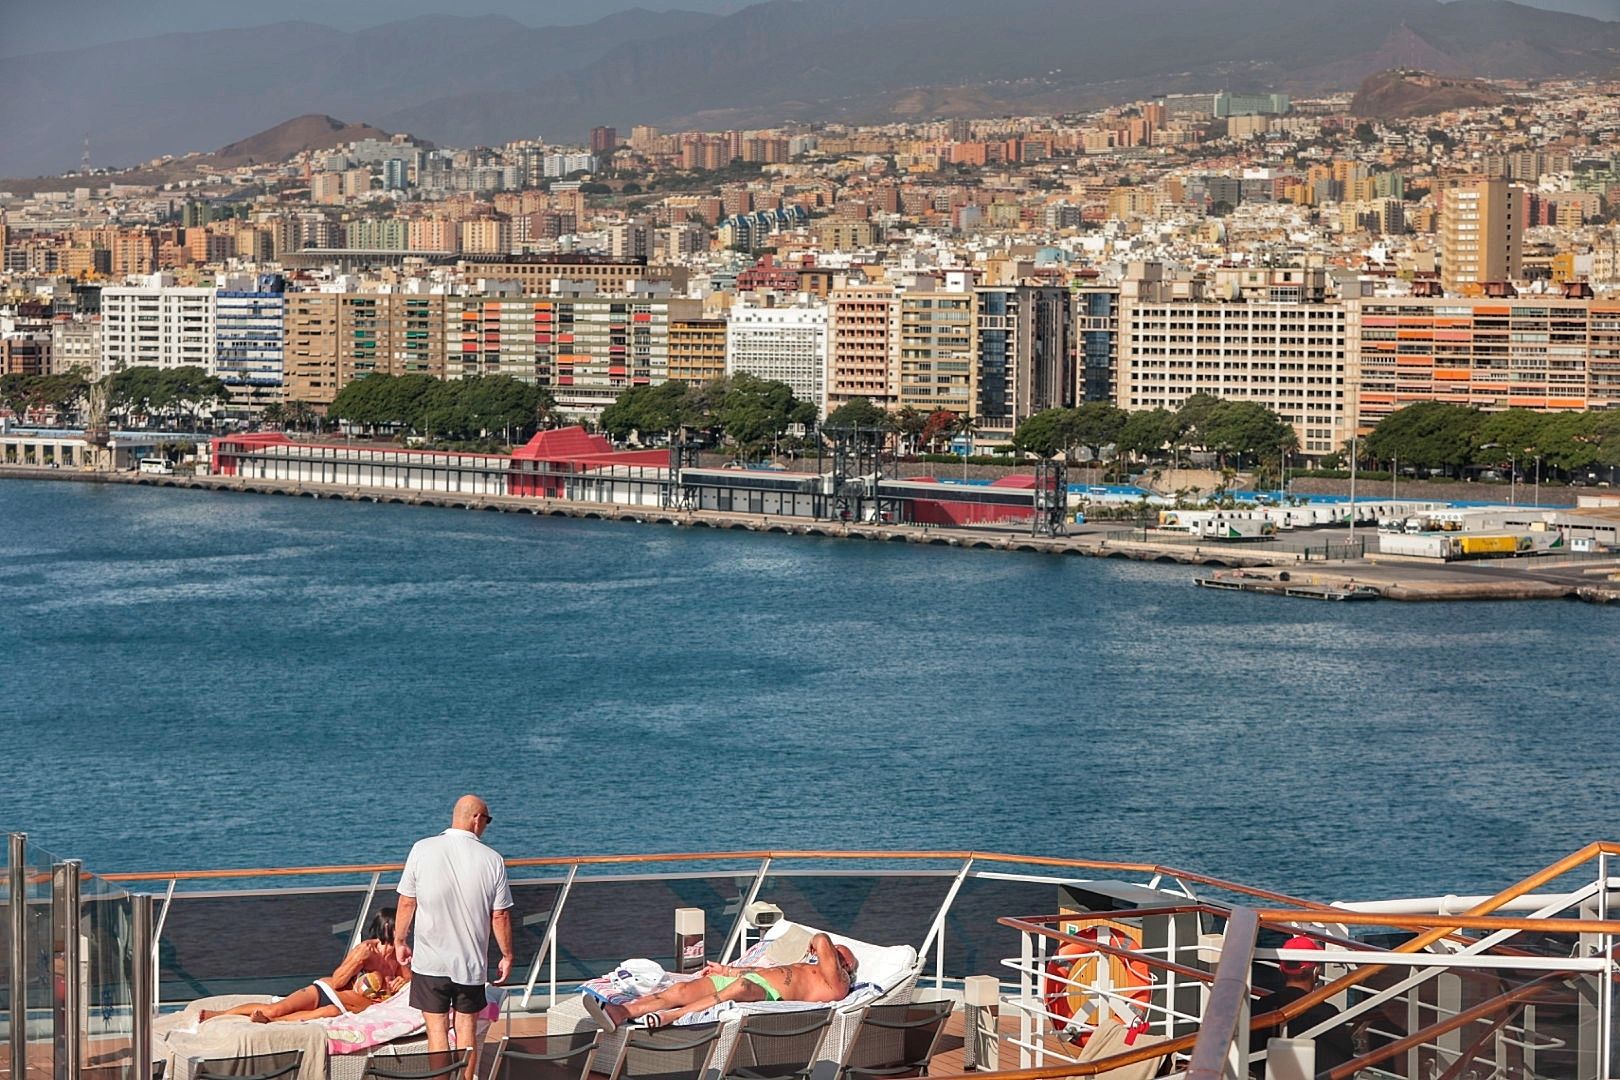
(548, 940)
(365, 908)
(735, 934)
(143, 986)
(1605, 982)
(66, 1030)
(16, 976)
(1028, 992)
(936, 929)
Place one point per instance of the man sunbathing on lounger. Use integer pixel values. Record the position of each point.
(827, 979)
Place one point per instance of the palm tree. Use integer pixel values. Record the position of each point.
(909, 421)
(965, 427)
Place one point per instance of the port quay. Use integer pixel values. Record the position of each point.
(569, 473)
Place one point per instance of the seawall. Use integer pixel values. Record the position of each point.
(1091, 543)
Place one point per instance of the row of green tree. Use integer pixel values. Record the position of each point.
(743, 410)
(451, 409)
(136, 397)
(1455, 438)
(1238, 432)
(917, 430)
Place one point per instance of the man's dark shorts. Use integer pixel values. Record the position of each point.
(437, 994)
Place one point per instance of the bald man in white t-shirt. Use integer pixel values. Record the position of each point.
(454, 888)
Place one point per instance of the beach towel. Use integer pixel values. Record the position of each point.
(394, 1018)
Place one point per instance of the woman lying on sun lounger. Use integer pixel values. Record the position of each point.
(369, 974)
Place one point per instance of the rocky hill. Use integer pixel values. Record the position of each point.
(1397, 95)
(295, 136)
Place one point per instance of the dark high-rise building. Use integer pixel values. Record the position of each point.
(604, 140)
(1024, 354)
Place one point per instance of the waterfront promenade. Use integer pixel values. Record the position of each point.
(1317, 562)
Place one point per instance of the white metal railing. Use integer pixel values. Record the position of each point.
(1182, 1001)
(1435, 1029)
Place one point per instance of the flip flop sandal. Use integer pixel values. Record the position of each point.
(598, 1013)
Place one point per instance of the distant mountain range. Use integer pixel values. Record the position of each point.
(471, 80)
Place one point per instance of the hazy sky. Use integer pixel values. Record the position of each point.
(29, 28)
(37, 27)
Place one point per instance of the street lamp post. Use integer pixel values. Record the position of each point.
(1394, 472)
(1353, 434)
(1513, 472)
(1538, 479)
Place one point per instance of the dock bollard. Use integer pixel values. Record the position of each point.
(981, 994)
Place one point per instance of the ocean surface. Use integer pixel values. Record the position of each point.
(192, 679)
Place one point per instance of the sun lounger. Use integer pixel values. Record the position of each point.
(884, 975)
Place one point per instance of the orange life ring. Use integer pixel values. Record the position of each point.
(1076, 1009)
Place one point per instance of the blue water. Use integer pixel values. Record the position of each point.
(191, 679)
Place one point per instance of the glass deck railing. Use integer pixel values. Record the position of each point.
(67, 999)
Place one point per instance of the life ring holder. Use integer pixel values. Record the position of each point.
(1076, 1010)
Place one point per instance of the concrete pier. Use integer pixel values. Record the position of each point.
(1209, 554)
(1515, 579)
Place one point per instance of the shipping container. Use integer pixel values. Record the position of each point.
(1418, 545)
(1474, 545)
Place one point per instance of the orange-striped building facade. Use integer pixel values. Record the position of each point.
(1540, 353)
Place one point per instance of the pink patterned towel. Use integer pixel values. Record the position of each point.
(353, 1033)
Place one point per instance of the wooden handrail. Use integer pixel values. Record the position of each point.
(1444, 925)
(1460, 922)
(1219, 1028)
(1467, 1016)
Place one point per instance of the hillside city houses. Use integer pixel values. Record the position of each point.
(1329, 267)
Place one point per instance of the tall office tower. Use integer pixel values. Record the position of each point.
(604, 140)
(1096, 309)
(863, 345)
(1481, 234)
(1024, 354)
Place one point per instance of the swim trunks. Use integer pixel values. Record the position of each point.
(720, 982)
(771, 993)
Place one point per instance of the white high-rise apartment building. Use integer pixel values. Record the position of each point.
(158, 324)
(1289, 357)
(788, 344)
